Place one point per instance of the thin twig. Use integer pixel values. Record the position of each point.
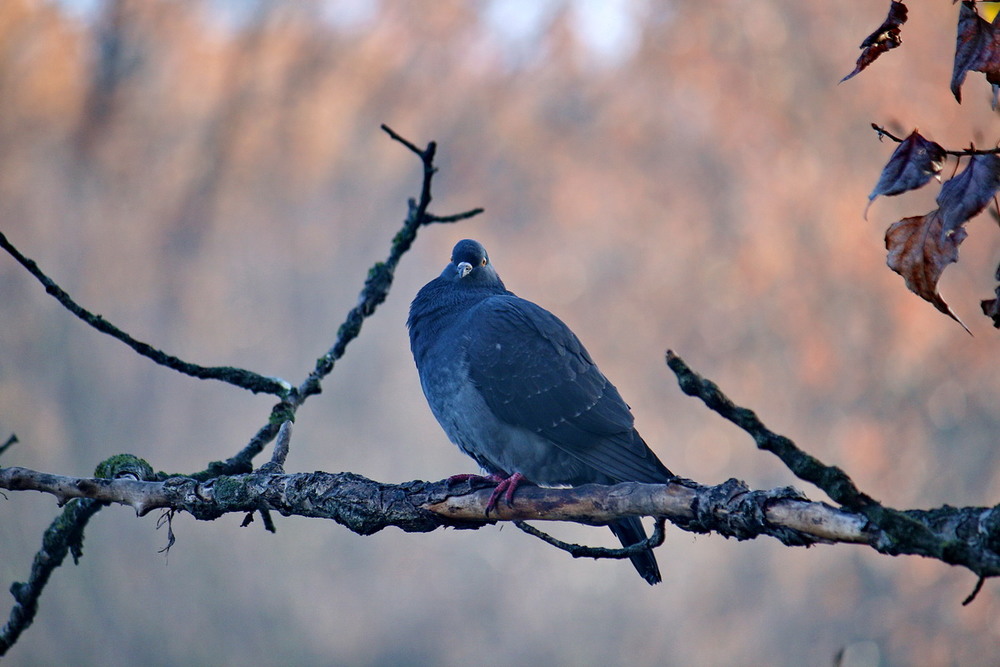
(975, 592)
(381, 274)
(280, 453)
(375, 290)
(238, 377)
(64, 536)
(456, 217)
(830, 479)
(900, 530)
(882, 132)
(406, 142)
(583, 551)
(11, 441)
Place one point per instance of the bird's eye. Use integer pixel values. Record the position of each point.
(482, 262)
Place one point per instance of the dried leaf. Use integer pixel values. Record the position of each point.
(977, 48)
(885, 37)
(968, 193)
(912, 164)
(919, 251)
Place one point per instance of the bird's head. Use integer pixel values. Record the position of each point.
(470, 265)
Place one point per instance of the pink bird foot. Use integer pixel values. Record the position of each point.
(506, 486)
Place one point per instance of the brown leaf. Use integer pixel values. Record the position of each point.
(885, 37)
(968, 193)
(977, 48)
(919, 251)
(912, 164)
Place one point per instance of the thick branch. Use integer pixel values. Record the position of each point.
(360, 504)
(365, 507)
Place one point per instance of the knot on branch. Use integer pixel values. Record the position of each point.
(125, 466)
(989, 527)
(733, 510)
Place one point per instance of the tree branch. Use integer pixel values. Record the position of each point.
(375, 290)
(365, 506)
(381, 274)
(583, 551)
(70, 524)
(882, 132)
(935, 534)
(235, 376)
(11, 441)
(830, 479)
(64, 536)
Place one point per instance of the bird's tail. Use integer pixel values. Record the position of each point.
(630, 531)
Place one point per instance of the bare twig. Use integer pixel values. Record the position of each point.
(975, 592)
(900, 531)
(11, 441)
(882, 132)
(584, 551)
(235, 376)
(64, 536)
(280, 453)
(381, 274)
(830, 479)
(376, 288)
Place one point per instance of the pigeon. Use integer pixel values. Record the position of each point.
(515, 389)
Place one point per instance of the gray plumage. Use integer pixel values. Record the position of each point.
(515, 389)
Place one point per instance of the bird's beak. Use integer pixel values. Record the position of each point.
(463, 269)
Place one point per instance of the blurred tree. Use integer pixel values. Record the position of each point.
(209, 175)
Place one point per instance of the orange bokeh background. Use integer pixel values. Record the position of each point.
(211, 177)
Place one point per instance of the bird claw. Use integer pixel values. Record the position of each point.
(505, 488)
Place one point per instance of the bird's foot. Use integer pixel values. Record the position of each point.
(505, 488)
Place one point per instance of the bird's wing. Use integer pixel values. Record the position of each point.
(534, 373)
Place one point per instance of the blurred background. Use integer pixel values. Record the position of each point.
(211, 177)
